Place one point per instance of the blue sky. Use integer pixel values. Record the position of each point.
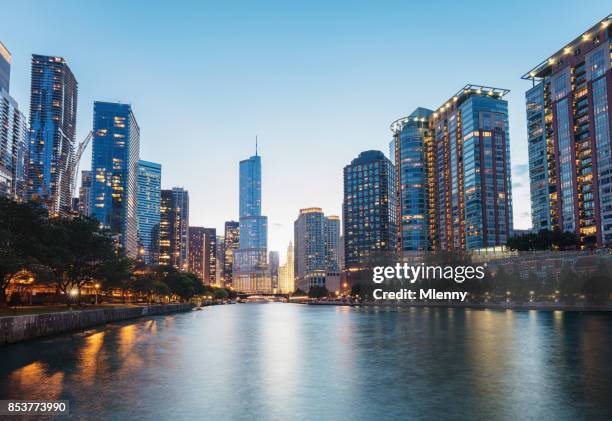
(318, 82)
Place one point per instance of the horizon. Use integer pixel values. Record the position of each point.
(212, 87)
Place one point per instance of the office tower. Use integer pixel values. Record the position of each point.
(148, 210)
(461, 195)
(331, 226)
(13, 137)
(197, 251)
(274, 263)
(53, 111)
(174, 228)
(410, 136)
(115, 154)
(5, 67)
(568, 129)
(286, 278)
(250, 266)
(316, 239)
(220, 254)
(85, 193)
(231, 238)
(341, 253)
(369, 213)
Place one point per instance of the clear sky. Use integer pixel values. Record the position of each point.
(317, 81)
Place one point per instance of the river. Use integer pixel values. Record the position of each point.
(299, 362)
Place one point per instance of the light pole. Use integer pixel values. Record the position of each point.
(97, 286)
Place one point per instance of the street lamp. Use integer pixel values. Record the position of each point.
(97, 286)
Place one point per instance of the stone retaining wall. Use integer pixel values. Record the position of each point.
(19, 328)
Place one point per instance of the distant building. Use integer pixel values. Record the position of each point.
(53, 112)
(115, 154)
(316, 239)
(197, 251)
(273, 264)
(13, 137)
(568, 131)
(220, 253)
(85, 193)
(369, 213)
(231, 239)
(174, 228)
(286, 277)
(148, 209)
(210, 256)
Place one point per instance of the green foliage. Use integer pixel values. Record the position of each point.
(543, 240)
(318, 292)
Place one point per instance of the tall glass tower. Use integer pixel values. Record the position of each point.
(53, 111)
(149, 201)
(115, 151)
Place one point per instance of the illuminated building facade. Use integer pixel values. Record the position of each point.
(115, 154)
(13, 136)
(53, 112)
(148, 208)
(174, 228)
(568, 128)
(286, 278)
(369, 212)
(231, 239)
(459, 196)
(197, 251)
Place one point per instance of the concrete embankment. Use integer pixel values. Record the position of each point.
(20, 328)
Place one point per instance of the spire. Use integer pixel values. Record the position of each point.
(255, 145)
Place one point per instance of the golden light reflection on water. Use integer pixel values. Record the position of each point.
(36, 382)
(89, 361)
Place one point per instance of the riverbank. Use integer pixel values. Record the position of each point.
(20, 328)
(482, 306)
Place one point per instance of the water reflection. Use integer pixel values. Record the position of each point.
(279, 361)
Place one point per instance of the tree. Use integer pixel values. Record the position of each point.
(318, 292)
(598, 286)
(543, 240)
(20, 246)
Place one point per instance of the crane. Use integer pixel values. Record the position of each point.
(77, 159)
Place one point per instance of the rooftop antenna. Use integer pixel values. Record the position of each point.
(255, 145)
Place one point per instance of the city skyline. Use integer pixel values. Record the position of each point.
(298, 155)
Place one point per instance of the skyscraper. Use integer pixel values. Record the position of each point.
(148, 209)
(53, 111)
(13, 136)
(220, 253)
(250, 266)
(210, 256)
(369, 212)
(115, 154)
(568, 128)
(316, 239)
(231, 238)
(410, 136)
(274, 263)
(452, 168)
(197, 251)
(286, 277)
(85, 193)
(174, 228)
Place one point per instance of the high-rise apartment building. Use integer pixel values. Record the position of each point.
(197, 251)
(452, 178)
(148, 210)
(568, 129)
(13, 136)
(210, 256)
(231, 239)
(174, 228)
(331, 228)
(53, 112)
(85, 193)
(220, 253)
(369, 212)
(115, 155)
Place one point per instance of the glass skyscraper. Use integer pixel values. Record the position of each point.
(85, 193)
(148, 209)
(369, 212)
(452, 168)
(231, 238)
(407, 151)
(250, 266)
(13, 136)
(115, 153)
(53, 112)
(568, 129)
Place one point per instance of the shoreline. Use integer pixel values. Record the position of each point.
(476, 306)
(20, 328)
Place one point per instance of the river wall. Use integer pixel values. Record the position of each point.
(20, 328)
